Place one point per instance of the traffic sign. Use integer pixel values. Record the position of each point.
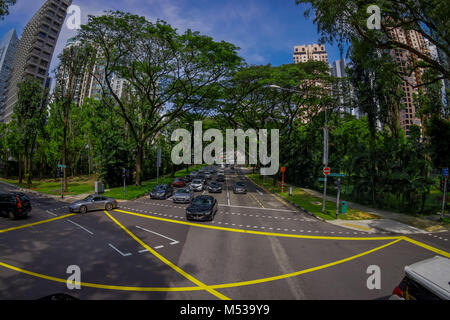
(321, 179)
(337, 174)
(445, 172)
(326, 171)
(62, 166)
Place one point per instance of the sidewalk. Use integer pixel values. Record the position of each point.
(390, 222)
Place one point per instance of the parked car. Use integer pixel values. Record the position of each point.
(197, 185)
(93, 202)
(202, 208)
(162, 191)
(220, 178)
(239, 187)
(208, 175)
(425, 280)
(178, 183)
(183, 195)
(215, 187)
(187, 178)
(14, 205)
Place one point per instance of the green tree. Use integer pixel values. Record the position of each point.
(343, 20)
(29, 117)
(4, 7)
(167, 73)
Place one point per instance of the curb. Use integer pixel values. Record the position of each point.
(35, 192)
(281, 199)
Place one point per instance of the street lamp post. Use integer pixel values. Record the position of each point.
(325, 142)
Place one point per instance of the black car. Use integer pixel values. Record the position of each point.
(215, 187)
(162, 191)
(188, 178)
(221, 178)
(14, 205)
(202, 177)
(240, 187)
(202, 208)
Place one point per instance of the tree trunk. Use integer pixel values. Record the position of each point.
(139, 160)
(20, 169)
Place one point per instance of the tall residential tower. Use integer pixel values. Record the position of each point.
(35, 50)
(8, 47)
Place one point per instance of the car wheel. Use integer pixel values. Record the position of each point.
(83, 209)
(11, 215)
(108, 207)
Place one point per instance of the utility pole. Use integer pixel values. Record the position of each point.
(325, 159)
(158, 164)
(338, 184)
(445, 174)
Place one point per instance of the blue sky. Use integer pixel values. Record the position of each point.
(265, 30)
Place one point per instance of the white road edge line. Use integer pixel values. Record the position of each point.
(123, 254)
(80, 227)
(173, 241)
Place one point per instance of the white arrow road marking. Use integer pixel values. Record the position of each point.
(173, 241)
(123, 254)
(55, 215)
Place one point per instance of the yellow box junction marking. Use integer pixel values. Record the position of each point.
(36, 223)
(170, 264)
(256, 232)
(198, 288)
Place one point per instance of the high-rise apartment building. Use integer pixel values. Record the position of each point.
(342, 89)
(314, 52)
(35, 50)
(410, 84)
(90, 82)
(8, 47)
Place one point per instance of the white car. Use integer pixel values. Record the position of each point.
(425, 280)
(197, 185)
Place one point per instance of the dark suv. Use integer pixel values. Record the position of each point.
(14, 205)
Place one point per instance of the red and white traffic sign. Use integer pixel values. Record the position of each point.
(326, 171)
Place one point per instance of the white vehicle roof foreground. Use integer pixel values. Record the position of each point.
(433, 274)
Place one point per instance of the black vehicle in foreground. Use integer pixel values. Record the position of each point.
(162, 191)
(203, 208)
(14, 205)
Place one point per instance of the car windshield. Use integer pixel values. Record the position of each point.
(214, 184)
(202, 201)
(240, 184)
(196, 181)
(184, 190)
(160, 188)
(89, 198)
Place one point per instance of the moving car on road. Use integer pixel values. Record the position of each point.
(162, 191)
(93, 202)
(14, 205)
(425, 280)
(197, 185)
(202, 208)
(215, 187)
(183, 195)
(178, 183)
(239, 187)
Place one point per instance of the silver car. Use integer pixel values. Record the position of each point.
(183, 195)
(93, 202)
(197, 185)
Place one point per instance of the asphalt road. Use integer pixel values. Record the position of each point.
(256, 248)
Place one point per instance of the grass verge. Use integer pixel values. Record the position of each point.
(310, 203)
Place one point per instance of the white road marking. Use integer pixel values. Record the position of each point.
(51, 213)
(259, 192)
(80, 226)
(123, 254)
(173, 241)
